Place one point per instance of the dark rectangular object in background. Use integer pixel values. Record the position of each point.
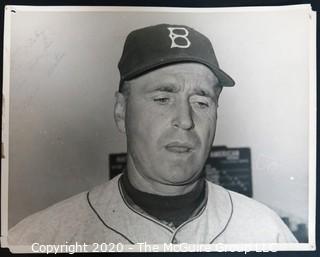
(230, 168)
(117, 164)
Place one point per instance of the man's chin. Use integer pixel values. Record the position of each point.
(181, 181)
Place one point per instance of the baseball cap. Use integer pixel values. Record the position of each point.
(156, 46)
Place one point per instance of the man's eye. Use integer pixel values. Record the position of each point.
(203, 104)
(161, 100)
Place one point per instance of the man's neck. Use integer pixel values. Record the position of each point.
(170, 210)
(144, 184)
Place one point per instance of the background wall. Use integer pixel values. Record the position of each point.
(63, 80)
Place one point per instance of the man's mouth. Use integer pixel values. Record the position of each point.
(177, 147)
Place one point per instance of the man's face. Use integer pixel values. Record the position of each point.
(170, 121)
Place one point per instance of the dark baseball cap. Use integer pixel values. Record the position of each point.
(156, 46)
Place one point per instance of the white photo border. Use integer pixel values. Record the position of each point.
(136, 248)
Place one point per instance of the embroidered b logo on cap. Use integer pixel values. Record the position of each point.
(173, 36)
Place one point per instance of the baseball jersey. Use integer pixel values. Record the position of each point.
(103, 215)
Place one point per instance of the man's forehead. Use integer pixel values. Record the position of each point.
(172, 77)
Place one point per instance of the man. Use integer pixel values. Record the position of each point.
(167, 107)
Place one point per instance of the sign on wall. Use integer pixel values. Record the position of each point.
(230, 168)
(117, 164)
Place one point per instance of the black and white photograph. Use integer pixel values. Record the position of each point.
(158, 129)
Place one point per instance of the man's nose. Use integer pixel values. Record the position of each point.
(183, 116)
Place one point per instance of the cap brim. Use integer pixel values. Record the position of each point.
(224, 79)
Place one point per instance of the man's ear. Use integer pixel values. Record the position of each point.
(120, 111)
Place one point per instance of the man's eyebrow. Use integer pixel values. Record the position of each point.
(171, 88)
(202, 92)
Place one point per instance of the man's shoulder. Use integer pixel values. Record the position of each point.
(42, 226)
(241, 204)
(60, 220)
(251, 216)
